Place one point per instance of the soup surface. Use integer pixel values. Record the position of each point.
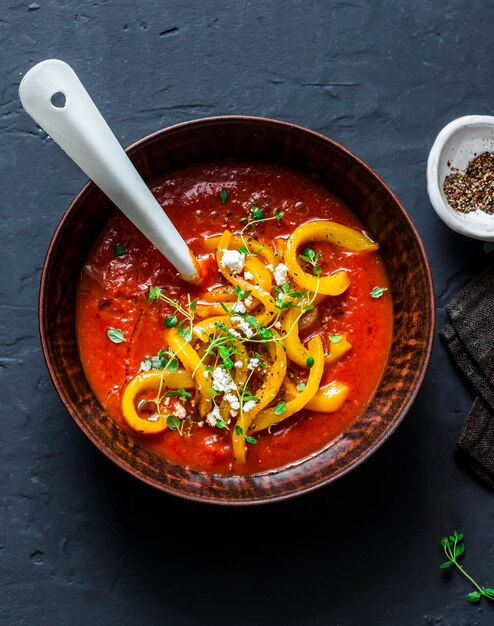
(124, 334)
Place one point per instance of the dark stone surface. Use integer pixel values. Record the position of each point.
(82, 543)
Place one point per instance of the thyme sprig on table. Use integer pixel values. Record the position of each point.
(454, 547)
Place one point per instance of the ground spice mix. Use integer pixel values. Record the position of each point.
(474, 188)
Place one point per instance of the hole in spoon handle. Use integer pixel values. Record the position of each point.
(56, 99)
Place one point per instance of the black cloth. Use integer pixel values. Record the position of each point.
(469, 337)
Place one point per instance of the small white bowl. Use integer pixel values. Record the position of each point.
(455, 146)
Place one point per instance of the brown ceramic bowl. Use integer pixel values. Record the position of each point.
(343, 174)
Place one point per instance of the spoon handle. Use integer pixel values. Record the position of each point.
(75, 124)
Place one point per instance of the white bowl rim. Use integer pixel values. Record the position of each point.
(455, 221)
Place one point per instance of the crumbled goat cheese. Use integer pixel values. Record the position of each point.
(232, 400)
(248, 301)
(174, 407)
(179, 410)
(233, 260)
(206, 373)
(280, 274)
(248, 275)
(243, 325)
(234, 332)
(238, 364)
(238, 307)
(222, 381)
(200, 424)
(213, 416)
(233, 414)
(249, 405)
(253, 363)
(277, 325)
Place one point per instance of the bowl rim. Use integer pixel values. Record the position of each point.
(441, 207)
(254, 500)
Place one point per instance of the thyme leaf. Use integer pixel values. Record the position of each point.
(378, 292)
(223, 195)
(115, 335)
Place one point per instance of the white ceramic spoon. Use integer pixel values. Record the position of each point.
(77, 126)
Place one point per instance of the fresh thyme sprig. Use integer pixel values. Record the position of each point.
(313, 258)
(185, 326)
(257, 216)
(454, 547)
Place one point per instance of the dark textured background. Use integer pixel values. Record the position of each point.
(82, 543)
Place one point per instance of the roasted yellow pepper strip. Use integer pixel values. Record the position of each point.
(145, 381)
(323, 230)
(266, 393)
(239, 375)
(308, 319)
(254, 245)
(289, 388)
(213, 300)
(202, 330)
(193, 364)
(268, 417)
(337, 350)
(337, 234)
(279, 246)
(295, 350)
(225, 293)
(208, 310)
(329, 398)
(264, 297)
(262, 276)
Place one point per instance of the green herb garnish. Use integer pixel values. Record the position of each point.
(171, 321)
(180, 393)
(335, 338)
(154, 294)
(278, 215)
(120, 249)
(173, 422)
(280, 408)
(313, 258)
(309, 361)
(256, 213)
(184, 331)
(252, 321)
(223, 195)
(240, 432)
(378, 292)
(300, 387)
(453, 548)
(265, 333)
(115, 335)
(242, 294)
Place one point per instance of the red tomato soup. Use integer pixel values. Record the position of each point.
(122, 267)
